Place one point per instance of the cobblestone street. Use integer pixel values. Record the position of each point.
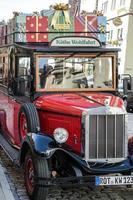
(15, 178)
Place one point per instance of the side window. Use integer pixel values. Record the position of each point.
(4, 70)
(24, 80)
(42, 71)
(24, 66)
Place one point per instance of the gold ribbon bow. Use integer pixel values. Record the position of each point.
(102, 28)
(59, 9)
(36, 15)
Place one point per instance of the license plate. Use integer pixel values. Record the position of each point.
(113, 180)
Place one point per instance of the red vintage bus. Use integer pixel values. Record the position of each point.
(61, 117)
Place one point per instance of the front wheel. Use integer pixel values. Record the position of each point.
(28, 120)
(35, 167)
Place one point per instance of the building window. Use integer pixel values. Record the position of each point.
(113, 4)
(108, 35)
(105, 6)
(120, 34)
(122, 2)
(111, 34)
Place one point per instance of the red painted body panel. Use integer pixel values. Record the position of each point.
(50, 121)
(55, 110)
(9, 118)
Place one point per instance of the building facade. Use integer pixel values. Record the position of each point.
(77, 6)
(120, 29)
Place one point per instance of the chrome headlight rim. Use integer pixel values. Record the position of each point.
(61, 135)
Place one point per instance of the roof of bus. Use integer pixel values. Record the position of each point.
(48, 49)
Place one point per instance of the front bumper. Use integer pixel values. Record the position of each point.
(91, 172)
(65, 181)
(95, 168)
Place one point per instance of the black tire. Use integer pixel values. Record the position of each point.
(41, 169)
(32, 119)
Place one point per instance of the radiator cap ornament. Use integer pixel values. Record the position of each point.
(106, 102)
(108, 108)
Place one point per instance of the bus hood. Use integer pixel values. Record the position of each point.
(76, 103)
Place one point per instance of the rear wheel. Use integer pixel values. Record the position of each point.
(35, 167)
(28, 120)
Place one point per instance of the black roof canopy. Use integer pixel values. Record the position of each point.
(45, 48)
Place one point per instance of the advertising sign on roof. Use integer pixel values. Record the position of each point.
(75, 42)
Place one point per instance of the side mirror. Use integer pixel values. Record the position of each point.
(127, 83)
(132, 84)
(125, 86)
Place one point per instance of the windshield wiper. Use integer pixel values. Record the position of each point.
(99, 54)
(93, 100)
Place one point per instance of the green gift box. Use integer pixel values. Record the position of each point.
(58, 26)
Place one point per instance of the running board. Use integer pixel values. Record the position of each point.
(11, 152)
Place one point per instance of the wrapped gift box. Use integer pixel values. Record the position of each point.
(60, 32)
(91, 25)
(102, 24)
(20, 26)
(16, 24)
(37, 24)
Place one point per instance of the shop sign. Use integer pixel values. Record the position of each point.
(117, 21)
(75, 42)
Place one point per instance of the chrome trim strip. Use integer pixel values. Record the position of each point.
(97, 133)
(115, 136)
(107, 160)
(106, 136)
(87, 138)
(126, 135)
(123, 134)
(107, 111)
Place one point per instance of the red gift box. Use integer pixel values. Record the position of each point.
(92, 25)
(37, 24)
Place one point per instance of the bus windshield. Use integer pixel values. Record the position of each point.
(75, 71)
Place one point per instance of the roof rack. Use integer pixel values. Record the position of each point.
(15, 37)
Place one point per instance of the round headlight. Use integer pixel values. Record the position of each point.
(61, 135)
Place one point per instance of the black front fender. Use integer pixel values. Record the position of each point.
(37, 143)
(45, 146)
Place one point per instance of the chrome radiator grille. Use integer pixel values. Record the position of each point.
(105, 136)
